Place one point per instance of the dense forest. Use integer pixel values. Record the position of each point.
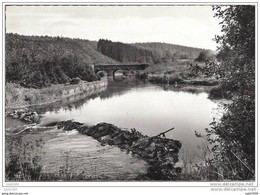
(152, 53)
(172, 51)
(37, 62)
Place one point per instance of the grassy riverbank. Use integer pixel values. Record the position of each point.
(17, 96)
(185, 72)
(178, 79)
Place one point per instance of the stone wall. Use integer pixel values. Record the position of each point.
(29, 97)
(84, 87)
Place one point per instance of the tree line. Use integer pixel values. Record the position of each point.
(152, 53)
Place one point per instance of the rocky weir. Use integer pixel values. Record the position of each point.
(159, 152)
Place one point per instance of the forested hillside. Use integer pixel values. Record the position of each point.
(152, 53)
(171, 50)
(35, 61)
(38, 61)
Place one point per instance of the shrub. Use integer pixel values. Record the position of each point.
(23, 164)
(76, 80)
(234, 134)
(204, 56)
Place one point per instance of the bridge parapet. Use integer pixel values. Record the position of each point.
(111, 68)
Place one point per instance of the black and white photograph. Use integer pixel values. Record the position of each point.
(129, 94)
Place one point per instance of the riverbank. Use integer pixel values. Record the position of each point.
(20, 97)
(177, 79)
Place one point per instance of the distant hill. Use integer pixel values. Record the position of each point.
(37, 61)
(152, 53)
(178, 51)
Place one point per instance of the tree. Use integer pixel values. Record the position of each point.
(204, 56)
(235, 132)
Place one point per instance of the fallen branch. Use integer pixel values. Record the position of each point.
(163, 133)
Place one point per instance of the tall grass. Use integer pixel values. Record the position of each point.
(23, 162)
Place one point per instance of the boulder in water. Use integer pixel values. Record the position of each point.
(25, 115)
(69, 125)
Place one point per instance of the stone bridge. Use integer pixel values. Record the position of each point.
(110, 69)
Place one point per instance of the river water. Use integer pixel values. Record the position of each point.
(148, 108)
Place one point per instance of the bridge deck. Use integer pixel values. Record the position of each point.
(120, 65)
(113, 67)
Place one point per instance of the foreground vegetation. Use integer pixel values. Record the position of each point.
(234, 135)
(24, 163)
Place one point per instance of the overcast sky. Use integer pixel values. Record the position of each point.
(183, 25)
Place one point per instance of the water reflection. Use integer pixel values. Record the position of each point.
(118, 76)
(69, 103)
(114, 88)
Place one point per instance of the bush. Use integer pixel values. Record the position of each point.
(234, 134)
(204, 56)
(23, 164)
(219, 93)
(74, 81)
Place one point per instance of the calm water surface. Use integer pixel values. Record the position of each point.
(148, 108)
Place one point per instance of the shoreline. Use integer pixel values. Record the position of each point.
(174, 79)
(55, 93)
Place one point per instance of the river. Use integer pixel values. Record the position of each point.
(148, 108)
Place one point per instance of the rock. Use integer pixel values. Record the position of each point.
(25, 115)
(31, 117)
(160, 153)
(101, 130)
(120, 139)
(83, 129)
(104, 140)
(22, 115)
(69, 125)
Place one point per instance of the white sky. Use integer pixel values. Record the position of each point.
(183, 25)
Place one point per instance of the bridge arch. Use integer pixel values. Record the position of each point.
(118, 71)
(111, 69)
(101, 73)
(118, 77)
